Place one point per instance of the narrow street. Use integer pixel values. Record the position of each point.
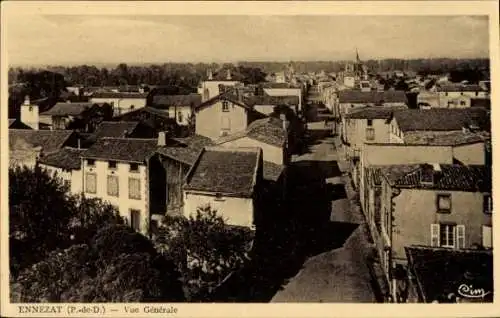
(339, 274)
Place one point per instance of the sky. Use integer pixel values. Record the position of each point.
(79, 39)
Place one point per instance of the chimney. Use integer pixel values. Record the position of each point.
(30, 114)
(228, 75)
(162, 139)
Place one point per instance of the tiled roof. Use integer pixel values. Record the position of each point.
(122, 149)
(189, 151)
(272, 100)
(11, 121)
(459, 88)
(268, 130)
(442, 138)
(49, 140)
(67, 109)
(119, 95)
(354, 96)
(471, 178)
(17, 124)
(66, 158)
(441, 119)
(372, 113)
(165, 101)
(230, 172)
(117, 129)
(272, 171)
(440, 271)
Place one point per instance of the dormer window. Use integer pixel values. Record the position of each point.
(111, 164)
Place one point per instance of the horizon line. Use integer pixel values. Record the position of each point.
(240, 61)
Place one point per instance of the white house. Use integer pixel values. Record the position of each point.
(121, 171)
(122, 103)
(228, 180)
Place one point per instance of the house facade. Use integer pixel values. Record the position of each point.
(224, 115)
(122, 103)
(229, 180)
(179, 107)
(459, 95)
(435, 205)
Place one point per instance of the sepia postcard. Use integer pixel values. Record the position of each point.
(248, 158)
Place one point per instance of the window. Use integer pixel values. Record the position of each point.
(443, 203)
(225, 106)
(446, 94)
(90, 162)
(179, 117)
(134, 188)
(134, 167)
(369, 122)
(132, 106)
(487, 204)
(135, 219)
(112, 165)
(370, 134)
(448, 235)
(477, 93)
(113, 186)
(487, 238)
(462, 103)
(90, 182)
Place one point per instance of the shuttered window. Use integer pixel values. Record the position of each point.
(435, 235)
(113, 186)
(134, 188)
(370, 134)
(90, 183)
(135, 219)
(460, 236)
(487, 237)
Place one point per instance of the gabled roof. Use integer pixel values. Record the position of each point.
(117, 129)
(165, 101)
(268, 130)
(278, 85)
(471, 178)
(375, 97)
(440, 271)
(67, 158)
(373, 113)
(229, 96)
(225, 171)
(67, 109)
(48, 140)
(119, 95)
(122, 149)
(440, 119)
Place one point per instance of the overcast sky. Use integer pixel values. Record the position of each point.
(64, 39)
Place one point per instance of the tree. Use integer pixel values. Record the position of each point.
(44, 217)
(128, 270)
(205, 248)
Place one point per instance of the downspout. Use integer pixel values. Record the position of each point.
(394, 193)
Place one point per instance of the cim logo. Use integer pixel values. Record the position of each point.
(468, 291)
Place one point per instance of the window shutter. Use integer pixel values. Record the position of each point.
(460, 236)
(487, 238)
(434, 234)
